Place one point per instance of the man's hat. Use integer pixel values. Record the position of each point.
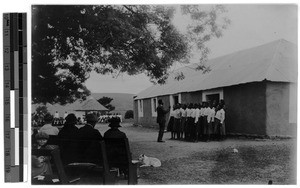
(114, 122)
(160, 101)
(71, 119)
(91, 118)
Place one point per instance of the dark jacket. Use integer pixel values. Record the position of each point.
(68, 144)
(88, 144)
(161, 114)
(114, 133)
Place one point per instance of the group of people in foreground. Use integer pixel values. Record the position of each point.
(75, 144)
(193, 122)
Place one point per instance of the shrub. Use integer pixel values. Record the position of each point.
(129, 114)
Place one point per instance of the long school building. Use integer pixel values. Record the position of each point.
(258, 85)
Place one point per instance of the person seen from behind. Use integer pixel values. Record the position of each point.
(114, 132)
(47, 127)
(88, 141)
(68, 139)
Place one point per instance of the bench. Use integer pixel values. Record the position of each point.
(77, 170)
(90, 172)
(119, 156)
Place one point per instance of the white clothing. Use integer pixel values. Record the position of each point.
(172, 113)
(211, 115)
(183, 112)
(193, 115)
(197, 114)
(220, 115)
(177, 114)
(56, 115)
(206, 111)
(202, 111)
(188, 112)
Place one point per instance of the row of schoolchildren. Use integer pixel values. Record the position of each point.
(197, 122)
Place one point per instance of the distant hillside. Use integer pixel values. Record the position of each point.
(122, 101)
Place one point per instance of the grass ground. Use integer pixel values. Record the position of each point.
(252, 165)
(257, 160)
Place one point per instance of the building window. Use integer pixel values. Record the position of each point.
(175, 99)
(154, 104)
(213, 98)
(213, 95)
(140, 108)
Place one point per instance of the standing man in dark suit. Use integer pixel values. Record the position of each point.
(161, 120)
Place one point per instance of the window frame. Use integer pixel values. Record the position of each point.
(219, 91)
(154, 104)
(141, 108)
(172, 100)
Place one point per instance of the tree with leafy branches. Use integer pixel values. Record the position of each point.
(39, 114)
(71, 41)
(105, 101)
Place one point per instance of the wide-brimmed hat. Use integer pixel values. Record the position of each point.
(91, 118)
(114, 122)
(41, 135)
(71, 119)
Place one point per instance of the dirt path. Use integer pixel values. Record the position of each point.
(143, 141)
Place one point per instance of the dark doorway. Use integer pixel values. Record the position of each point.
(176, 99)
(213, 97)
(154, 104)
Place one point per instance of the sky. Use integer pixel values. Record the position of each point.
(251, 25)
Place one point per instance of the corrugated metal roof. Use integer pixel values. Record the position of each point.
(275, 61)
(91, 104)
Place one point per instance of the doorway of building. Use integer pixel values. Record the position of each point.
(213, 97)
(175, 99)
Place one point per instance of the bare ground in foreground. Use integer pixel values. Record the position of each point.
(257, 162)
